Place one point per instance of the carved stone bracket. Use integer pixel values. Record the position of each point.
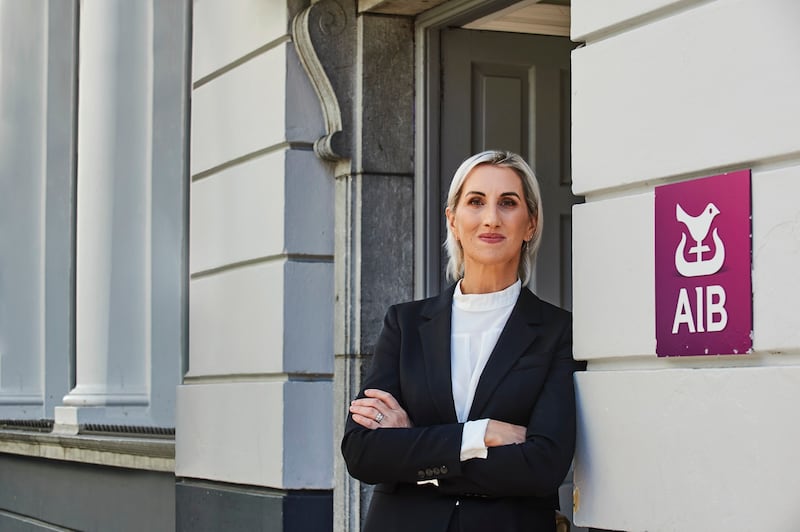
(325, 38)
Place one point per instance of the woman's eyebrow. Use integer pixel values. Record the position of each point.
(483, 194)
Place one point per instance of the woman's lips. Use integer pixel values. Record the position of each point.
(491, 238)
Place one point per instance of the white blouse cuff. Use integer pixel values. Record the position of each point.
(472, 444)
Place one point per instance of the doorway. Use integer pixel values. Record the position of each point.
(483, 88)
(486, 83)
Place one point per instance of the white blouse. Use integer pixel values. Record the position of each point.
(477, 321)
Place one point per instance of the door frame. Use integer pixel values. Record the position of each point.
(428, 216)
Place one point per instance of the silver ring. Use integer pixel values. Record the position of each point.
(379, 417)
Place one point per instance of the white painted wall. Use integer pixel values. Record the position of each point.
(665, 91)
(255, 404)
(236, 114)
(266, 444)
(23, 100)
(238, 214)
(226, 32)
(686, 449)
(94, 321)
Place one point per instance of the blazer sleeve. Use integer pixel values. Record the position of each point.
(398, 454)
(539, 464)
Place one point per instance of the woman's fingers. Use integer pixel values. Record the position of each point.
(365, 421)
(367, 411)
(371, 409)
(399, 415)
(379, 410)
(387, 398)
(377, 404)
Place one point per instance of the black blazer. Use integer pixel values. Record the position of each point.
(528, 381)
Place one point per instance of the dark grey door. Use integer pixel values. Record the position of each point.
(512, 91)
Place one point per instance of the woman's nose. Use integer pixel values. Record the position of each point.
(490, 217)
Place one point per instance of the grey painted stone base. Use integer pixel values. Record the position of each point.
(40, 494)
(210, 506)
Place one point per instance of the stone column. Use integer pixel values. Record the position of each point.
(113, 208)
(374, 225)
(361, 66)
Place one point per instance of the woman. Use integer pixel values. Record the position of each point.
(467, 418)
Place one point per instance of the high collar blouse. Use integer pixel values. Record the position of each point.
(477, 321)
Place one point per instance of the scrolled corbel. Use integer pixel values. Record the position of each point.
(324, 36)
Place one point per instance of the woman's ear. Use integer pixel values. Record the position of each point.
(451, 221)
(532, 228)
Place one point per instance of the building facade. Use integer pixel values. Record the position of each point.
(207, 206)
(665, 92)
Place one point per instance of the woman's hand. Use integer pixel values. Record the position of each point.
(379, 410)
(501, 433)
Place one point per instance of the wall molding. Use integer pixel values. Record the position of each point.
(151, 454)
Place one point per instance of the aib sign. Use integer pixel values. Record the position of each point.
(702, 262)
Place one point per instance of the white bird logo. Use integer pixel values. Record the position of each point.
(699, 227)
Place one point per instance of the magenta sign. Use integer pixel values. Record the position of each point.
(703, 287)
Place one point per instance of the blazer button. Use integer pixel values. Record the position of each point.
(444, 469)
(420, 474)
(429, 472)
(437, 471)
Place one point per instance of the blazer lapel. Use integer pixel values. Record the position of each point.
(520, 331)
(435, 337)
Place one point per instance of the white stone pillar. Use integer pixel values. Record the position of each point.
(113, 285)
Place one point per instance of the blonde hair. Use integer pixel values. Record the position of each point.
(530, 188)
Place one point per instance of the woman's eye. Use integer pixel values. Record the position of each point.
(508, 203)
(474, 201)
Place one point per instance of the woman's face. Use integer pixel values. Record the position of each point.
(491, 219)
